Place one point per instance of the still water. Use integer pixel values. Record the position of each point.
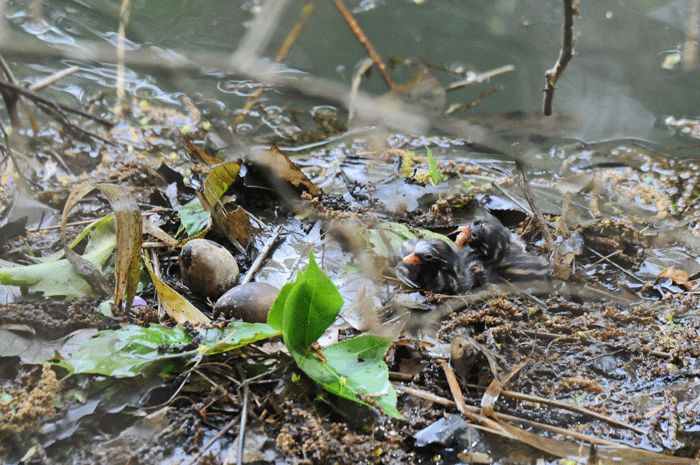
(623, 82)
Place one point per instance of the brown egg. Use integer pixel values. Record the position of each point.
(207, 268)
(249, 302)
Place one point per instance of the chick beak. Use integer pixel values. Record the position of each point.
(411, 259)
(463, 237)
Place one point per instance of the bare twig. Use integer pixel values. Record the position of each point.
(565, 55)
(690, 47)
(52, 79)
(263, 254)
(457, 108)
(572, 408)
(50, 103)
(216, 437)
(365, 42)
(630, 275)
(11, 101)
(124, 14)
(525, 186)
(475, 78)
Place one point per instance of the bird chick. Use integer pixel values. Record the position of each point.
(434, 265)
(493, 244)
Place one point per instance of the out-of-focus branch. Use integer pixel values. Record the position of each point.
(364, 41)
(690, 47)
(565, 55)
(281, 55)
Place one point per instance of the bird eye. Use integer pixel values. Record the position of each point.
(428, 257)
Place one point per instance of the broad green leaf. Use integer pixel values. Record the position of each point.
(194, 217)
(311, 306)
(275, 317)
(129, 351)
(235, 335)
(59, 278)
(95, 225)
(355, 370)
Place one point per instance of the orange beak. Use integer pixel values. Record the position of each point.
(411, 259)
(463, 237)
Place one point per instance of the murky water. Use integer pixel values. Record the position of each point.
(622, 82)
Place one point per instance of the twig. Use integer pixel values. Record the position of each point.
(475, 78)
(11, 101)
(551, 336)
(572, 408)
(52, 79)
(263, 253)
(639, 280)
(456, 108)
(565, 55)
(244, 415)
(365, 42)
(53, 105)
(690, 47)
(216, 437)
(124, 14)
(525, 186)
(502, 416)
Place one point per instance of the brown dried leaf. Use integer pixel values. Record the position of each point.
(275, 166)
(198, 154)
(679, 277)
(129, 237)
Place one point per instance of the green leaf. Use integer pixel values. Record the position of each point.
(59, 278)
(312, 305)
(355, 370)
(130, 351)
(219, 180)
(435, 175)
(194, 217)
(275, 317)
(236, 334)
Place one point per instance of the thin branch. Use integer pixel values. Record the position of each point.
(690, 47)
(365, 42)
(124, 14)
(263, 253)
(211, 442)
(52, 79)
(475, 78)
(525, 186)
(57, 107)
(565, 55)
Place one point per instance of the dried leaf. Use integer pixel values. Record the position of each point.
(679, 277)
(275, 166)
(176, 306)
(198, 154)
(129, 238)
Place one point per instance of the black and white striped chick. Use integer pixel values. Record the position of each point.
(434, 265)
(492, 243)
